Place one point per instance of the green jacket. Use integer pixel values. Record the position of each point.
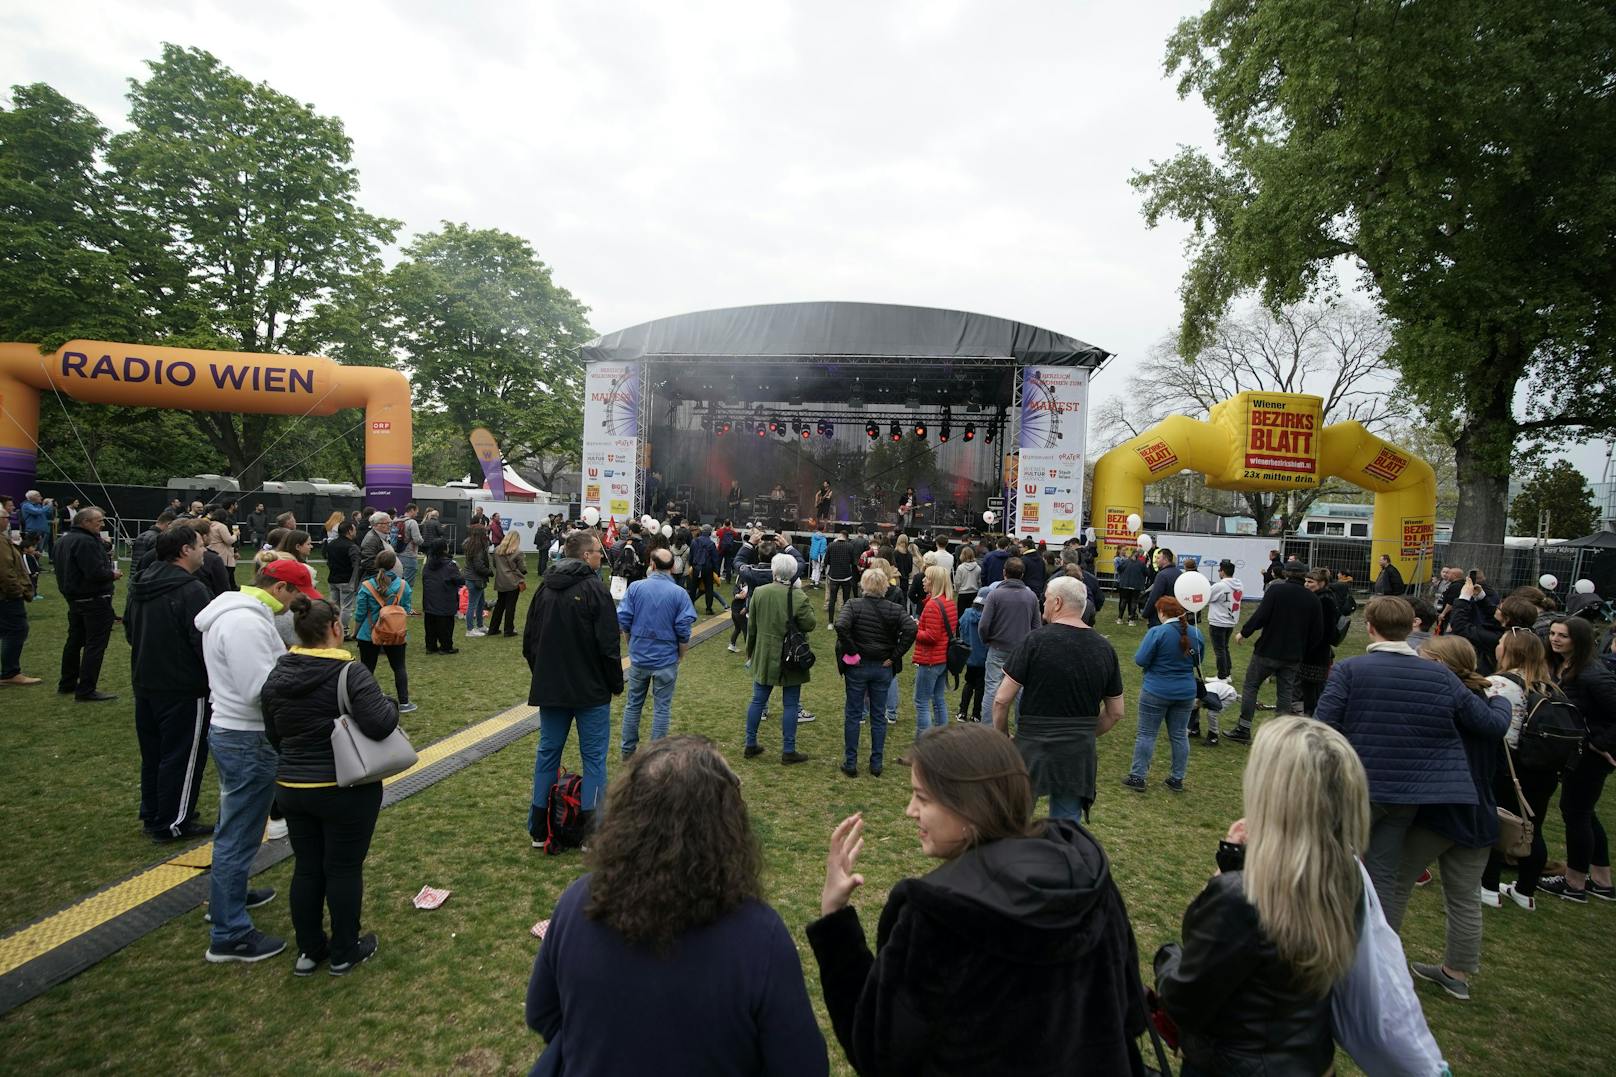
(766, 631)
(14, 581)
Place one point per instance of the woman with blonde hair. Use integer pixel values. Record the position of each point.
(510, 572)
(1277, 928)
(333, 522)
(1459, 837)
(872, 636)
(1521, 667)
(967, 578)
(938, 623)
(894, 595)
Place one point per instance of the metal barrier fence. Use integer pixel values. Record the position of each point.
(1504, 568)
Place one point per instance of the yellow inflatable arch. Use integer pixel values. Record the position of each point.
(100, 372)
(1273, 441)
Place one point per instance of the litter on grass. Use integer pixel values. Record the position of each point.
(430, 898)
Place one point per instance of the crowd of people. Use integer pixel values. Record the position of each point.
(1464, 703)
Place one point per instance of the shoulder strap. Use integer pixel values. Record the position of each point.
(343, 703)
(370, 585)
(1514, 678)
(943, 613)
(1526, 809)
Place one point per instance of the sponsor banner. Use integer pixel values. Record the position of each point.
(523, 516)
(1049, 473)
(1419, 537)
(1159, 457)
(612, 446)
(487, 450)
(1276, 439)
(1386, 466)
(1249, 554)
(1115, 525)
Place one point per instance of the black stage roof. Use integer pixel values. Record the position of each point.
(820, 352)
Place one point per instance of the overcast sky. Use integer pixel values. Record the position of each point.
(668, 157)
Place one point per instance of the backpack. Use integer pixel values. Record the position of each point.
(564, 823)
(959, 652)
(796, 654)
(392, 623)
(627, 561)
(1552, 730)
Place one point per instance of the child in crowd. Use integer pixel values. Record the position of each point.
(737, 614)
(30, 558)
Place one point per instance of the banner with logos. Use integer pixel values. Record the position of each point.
(1049, 475)
(611, 443)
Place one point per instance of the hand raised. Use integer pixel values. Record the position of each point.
(846, 842)
(1237, 832)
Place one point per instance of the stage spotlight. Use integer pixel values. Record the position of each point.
(970, 431)
(803, 431)
(763, 431)
(920, 431)
(725, 427)
(897, 431)
(774, 425)
(872, 431)
(993, 429)
(779, 426)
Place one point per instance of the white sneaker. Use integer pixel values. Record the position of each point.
(734, 649)
(804, 716)
(1525, 902)
(276, 830)
(1489, 898)
(477, 633)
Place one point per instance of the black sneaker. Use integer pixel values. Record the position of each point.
(94, 697)
(1603, 893)
(1175, 784)
(253, 946)
(363, 951)
(788, 758)
(753, 751)
(1557, 885)
(1194, 730)
(849, 770)
(308, 964)
(255, 897)
(875, 771)
(1211, 740)
(1239, 735)
(1136, 784)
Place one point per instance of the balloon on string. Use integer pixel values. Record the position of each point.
(1548, 581)
(591, 516)
(989, 517)
(1135, 522)
(648, 520)
(1192, 590)
(1583, 587)
(667, 530)
(1144, 542)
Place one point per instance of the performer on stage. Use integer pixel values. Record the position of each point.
(906, 508)
(778, 493)
(734, 498)
(824, 502)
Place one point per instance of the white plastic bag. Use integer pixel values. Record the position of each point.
(619, 588)
(1374, 1012)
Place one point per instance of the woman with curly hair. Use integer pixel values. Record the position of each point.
(670, 926)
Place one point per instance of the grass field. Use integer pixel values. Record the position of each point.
(445, 992)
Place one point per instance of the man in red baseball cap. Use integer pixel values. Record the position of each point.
(295, 573)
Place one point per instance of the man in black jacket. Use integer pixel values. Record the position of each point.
(1291, 621)
(1167, 574)
(571, 645)
(1390, 580)
(170, 680)
(879, 633)
(86, 576)
(146, 539)
(839, 573)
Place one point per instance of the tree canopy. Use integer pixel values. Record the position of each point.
(1458, 155)
(1560, 489)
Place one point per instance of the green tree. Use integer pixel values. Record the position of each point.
(1560, 490)
(1458, 155)
(491, 340)
(247, 203)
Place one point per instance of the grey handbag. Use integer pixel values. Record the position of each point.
(358, 758)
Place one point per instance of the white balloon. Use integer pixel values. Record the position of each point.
(988, 517)
(652, 526)
(1135, 522)
(591, 516)
(1192, 590)
(1548, 582)
(648, 520)
(1583, 587)
(1144, 542)
(667, 530)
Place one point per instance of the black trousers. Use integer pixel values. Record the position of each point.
(1586, 843)
(833, 589)
(1220, 648)
(1537, 786)
(370, 652)
(1127, 603)
(971, 693)
(330, 830)
(439, 632)
(704, 584)
(504, 608)
(89, 626)
(173, 736)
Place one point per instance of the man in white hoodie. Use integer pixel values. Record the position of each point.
(240, 646)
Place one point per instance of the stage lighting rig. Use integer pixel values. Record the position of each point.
(920, 430)
(897, 431)
(970, 431)
(871, 430)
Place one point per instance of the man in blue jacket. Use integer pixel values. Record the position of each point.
(36, 520)
(656, 615)
(1402, 714)
(704, 562)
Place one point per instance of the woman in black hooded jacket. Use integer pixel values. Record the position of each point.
(1013, 957)
(330, 826)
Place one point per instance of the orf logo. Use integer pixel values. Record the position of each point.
(1030, 489)
(381, 425)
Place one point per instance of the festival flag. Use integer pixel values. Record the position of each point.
(493, 464)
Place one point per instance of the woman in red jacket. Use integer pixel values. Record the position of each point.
(939, 622)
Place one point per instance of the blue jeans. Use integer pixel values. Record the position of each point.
(992, 675)
(790, 696)
(476, 604)
(867, 688)
(931, 697)
(594, 731)
(408, 565)
(1065, 806)
(1153, 710)
(661, 682)
(245, 762)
